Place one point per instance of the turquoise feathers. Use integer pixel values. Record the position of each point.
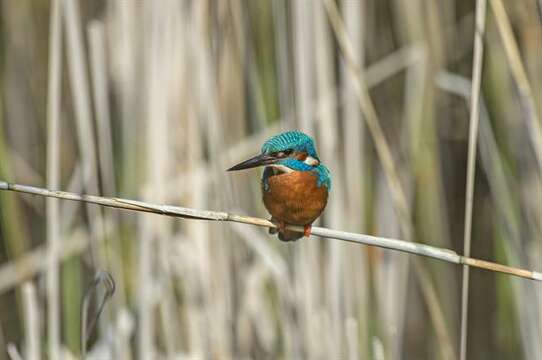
(324, 177)
(297, 142)
(295, 185)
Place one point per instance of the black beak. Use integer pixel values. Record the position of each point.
(259, 160)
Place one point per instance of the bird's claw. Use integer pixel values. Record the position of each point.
(307, 230)
(280, 226)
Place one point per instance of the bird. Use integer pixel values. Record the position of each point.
(295, 184)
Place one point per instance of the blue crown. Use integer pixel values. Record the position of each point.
(294, 140)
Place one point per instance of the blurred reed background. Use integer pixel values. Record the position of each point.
(153, 100)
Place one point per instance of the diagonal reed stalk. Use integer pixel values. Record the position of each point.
(471, 163)
(396, 189)
(194, 214)
(369, 112)
(520, 76)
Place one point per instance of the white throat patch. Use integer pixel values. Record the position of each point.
(311, 161)
(281, 168)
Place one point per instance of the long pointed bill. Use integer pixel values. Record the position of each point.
(259, 160)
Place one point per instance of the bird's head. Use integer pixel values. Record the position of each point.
(285, 152)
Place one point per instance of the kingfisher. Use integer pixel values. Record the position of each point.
(295, 184)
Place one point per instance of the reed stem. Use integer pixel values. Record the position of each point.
(195, 214)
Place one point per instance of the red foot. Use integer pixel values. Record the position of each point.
(281, 226)
(307, 230)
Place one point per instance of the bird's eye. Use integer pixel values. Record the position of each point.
(282, 154)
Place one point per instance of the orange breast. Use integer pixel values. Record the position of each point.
(295, 198)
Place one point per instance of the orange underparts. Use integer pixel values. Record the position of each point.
(295, 198)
